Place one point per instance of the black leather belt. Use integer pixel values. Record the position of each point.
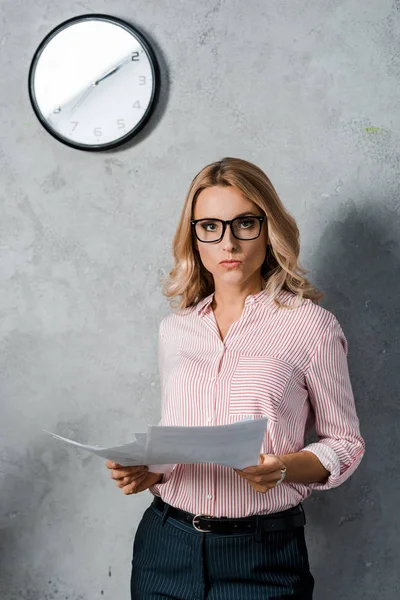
(279, 521)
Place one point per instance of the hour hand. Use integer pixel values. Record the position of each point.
(107, 75)
(113, 70)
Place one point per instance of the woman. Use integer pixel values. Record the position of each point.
(249, 339)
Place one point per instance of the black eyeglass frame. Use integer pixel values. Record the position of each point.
(224, 224)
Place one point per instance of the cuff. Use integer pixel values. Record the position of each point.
(330, 460)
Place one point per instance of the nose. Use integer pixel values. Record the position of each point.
(228, 240)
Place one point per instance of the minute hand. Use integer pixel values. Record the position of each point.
(82, 98)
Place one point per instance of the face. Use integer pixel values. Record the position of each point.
(227, 203)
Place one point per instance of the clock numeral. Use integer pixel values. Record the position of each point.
(75, 125)
(137, 104)
(142, 80)
(97, 131)
(135, 56)
(121, 124)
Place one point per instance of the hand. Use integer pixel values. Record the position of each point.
(82, 97)
(133, 479)
(265, 475)
(113, 70)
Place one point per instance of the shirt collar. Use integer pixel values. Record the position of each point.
(262, 298)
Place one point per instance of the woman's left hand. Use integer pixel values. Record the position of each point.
(264, 476)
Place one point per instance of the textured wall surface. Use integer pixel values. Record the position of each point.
(309, 91)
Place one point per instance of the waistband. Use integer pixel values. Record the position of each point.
(279, 521)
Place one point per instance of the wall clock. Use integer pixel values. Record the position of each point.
(93, 82)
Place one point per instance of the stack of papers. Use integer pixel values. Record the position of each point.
(236, 445)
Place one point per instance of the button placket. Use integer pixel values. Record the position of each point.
(210, 417)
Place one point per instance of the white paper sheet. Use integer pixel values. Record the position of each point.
(234, 445)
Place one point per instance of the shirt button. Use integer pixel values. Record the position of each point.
(209, 419)
(210, 496)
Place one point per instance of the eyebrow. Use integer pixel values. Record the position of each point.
(243, 214)
(248, 212)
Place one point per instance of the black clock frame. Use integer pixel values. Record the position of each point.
(154, 95)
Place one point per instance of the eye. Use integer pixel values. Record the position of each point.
(207, 224)
(247, 223)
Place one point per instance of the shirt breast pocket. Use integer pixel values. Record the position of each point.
(258, 386)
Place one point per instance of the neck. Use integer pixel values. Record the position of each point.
(230, 300)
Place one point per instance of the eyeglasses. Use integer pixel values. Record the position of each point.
(213, 230)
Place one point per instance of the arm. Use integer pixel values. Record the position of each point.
(304, 467)
(340, 447)
(161, 362)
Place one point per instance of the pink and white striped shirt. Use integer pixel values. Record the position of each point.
(288, 365)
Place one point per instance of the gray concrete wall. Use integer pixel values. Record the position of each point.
(309, 92)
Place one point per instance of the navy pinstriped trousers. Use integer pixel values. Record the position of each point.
(171, 560)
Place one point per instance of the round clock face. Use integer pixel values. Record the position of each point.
(93, 82)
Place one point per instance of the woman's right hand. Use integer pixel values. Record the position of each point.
(133, 479)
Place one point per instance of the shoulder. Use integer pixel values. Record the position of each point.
(168, 324)
(308, 317)
(317, 316)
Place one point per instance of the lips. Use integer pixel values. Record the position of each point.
(228, 262)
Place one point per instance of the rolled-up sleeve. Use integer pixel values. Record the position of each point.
(340, 447)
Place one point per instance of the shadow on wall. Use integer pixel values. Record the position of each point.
(351, 527)
(162, 100)
(33, 484)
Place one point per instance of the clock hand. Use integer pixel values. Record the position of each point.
(95, 83)
(63, 110)
(82, 98)
(107, 75)
(113, 70)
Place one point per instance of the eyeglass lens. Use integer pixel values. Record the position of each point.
(245, 228)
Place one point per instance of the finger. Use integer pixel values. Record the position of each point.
(111, 464)
(137, 468)
(129, 479)
(124, 481)
(250, 469)
(261, 470)
(132, 488)
(133, 469)
(117, 474)
(260, 489)
(244, 475)
(143, 485)
(263, 488)
(124, 472)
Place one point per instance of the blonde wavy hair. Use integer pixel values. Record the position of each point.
(281, 270)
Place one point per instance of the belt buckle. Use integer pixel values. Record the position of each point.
(204, 517)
